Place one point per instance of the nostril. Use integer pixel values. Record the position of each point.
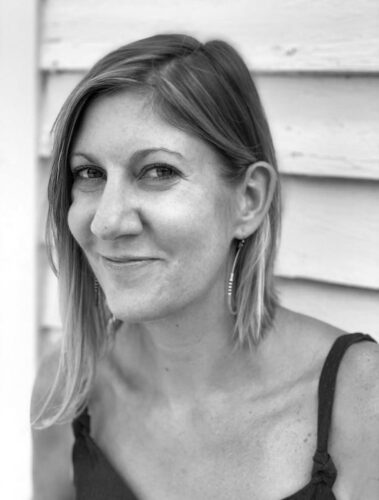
(100, 224)
(111, 225)
(100, 227)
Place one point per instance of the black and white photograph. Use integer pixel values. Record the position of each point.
(189, 249)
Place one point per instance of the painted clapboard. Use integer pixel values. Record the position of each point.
(275, 35)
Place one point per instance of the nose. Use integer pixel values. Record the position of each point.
(117, 213)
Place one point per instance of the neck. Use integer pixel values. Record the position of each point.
(180, 360)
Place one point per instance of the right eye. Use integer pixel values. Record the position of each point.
(87, 173)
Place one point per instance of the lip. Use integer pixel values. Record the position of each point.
(126, 258)
(120, 261)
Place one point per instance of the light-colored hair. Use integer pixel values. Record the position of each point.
(203, 89)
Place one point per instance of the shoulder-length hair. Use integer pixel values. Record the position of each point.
(203, 89)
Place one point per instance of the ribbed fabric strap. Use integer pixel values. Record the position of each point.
(327, 385)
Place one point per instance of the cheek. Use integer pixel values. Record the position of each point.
(79, 220)
(197, 228)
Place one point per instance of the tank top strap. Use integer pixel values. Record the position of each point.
(324, 470)
(327, 384)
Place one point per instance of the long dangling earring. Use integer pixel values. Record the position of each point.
(230, 289)
(96, 288)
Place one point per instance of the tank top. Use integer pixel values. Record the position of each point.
(96, 479)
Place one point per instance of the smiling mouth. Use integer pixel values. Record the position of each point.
(127, 261)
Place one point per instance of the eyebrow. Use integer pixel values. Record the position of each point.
(137, 156)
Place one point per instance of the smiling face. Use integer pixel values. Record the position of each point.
(149, 210)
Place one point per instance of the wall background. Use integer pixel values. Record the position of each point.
(317, 68)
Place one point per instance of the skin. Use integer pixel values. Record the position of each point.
(172, 396)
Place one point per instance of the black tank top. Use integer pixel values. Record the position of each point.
(96, 479)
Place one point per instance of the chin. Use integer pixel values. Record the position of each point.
(133, 311)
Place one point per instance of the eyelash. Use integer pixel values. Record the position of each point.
(162, 166)
(76, 172)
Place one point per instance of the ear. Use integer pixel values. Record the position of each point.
(254, 198)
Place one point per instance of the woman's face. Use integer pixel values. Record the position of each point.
(149, 210)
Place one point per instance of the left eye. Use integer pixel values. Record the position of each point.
(159, 172)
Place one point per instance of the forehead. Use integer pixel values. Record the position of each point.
(121, 123)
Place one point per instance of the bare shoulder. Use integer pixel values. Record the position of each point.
(360, 363)
(308, 339)
(358, 373)
(361, 360)
(354, 433)
(358, 385)
(354, 440)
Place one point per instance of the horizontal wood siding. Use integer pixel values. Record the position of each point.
(274, 35)
(352, 309)
(330, 231)
(324, 125)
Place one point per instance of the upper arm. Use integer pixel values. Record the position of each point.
(52, 469)
(354, 439)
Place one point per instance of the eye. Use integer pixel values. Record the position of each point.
(87, 173)
(159, 172)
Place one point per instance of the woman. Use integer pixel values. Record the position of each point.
(184, 376)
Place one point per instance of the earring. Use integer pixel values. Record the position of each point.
(96, 288)
(230, 288)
